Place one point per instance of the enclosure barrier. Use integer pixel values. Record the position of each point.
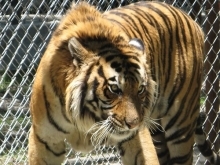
(25, 29)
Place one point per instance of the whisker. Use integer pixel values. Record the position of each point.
(104, 135)
(157, 125)
(94, 127)
(153, 125)
(100, 132)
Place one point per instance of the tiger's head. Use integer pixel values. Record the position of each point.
(112, 94)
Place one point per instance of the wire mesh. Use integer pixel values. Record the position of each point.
(26, 27)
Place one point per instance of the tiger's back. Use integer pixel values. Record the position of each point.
(173, 41)
(90, 51)
(174, 44)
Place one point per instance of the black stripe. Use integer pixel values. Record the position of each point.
(118, 39)
(136, 156)
(135, 57)
(164, 163)
(94, 102)
(60, 95)
(132, 65)
(189, 107)
(90, 114)
(49, 116)
(121, 149)
(178, 133)
(95, 87)
(110, 58)
(83, 90)
(105, 92)
(199, 131)
(188, 136)
(112, 79)
(107, 108)
(125, 29)
(105, 101)
(163, 154)
(129, 19)
(85, 40)
(48, 147)
(107, 50)
(106, 45)
(115, 65)
(174, 119)
(100, 72)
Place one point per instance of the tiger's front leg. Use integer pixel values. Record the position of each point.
(138, 150)
(44, 151)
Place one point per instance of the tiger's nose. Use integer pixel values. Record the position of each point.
(132, 123)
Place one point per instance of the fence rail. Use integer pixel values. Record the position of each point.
(25, 29)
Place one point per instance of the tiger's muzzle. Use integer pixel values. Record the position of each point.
(127, 115)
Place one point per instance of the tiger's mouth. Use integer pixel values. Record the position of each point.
(110, 130)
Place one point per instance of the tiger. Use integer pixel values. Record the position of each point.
(128, 77)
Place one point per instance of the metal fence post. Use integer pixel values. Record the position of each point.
(212, 65)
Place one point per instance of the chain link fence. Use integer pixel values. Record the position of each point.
(25, 29)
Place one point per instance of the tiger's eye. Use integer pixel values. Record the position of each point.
(114, 88)
(141, 89)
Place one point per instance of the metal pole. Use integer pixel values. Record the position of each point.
(212, 65)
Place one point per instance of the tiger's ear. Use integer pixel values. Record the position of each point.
(77, 51)
(137, 43)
